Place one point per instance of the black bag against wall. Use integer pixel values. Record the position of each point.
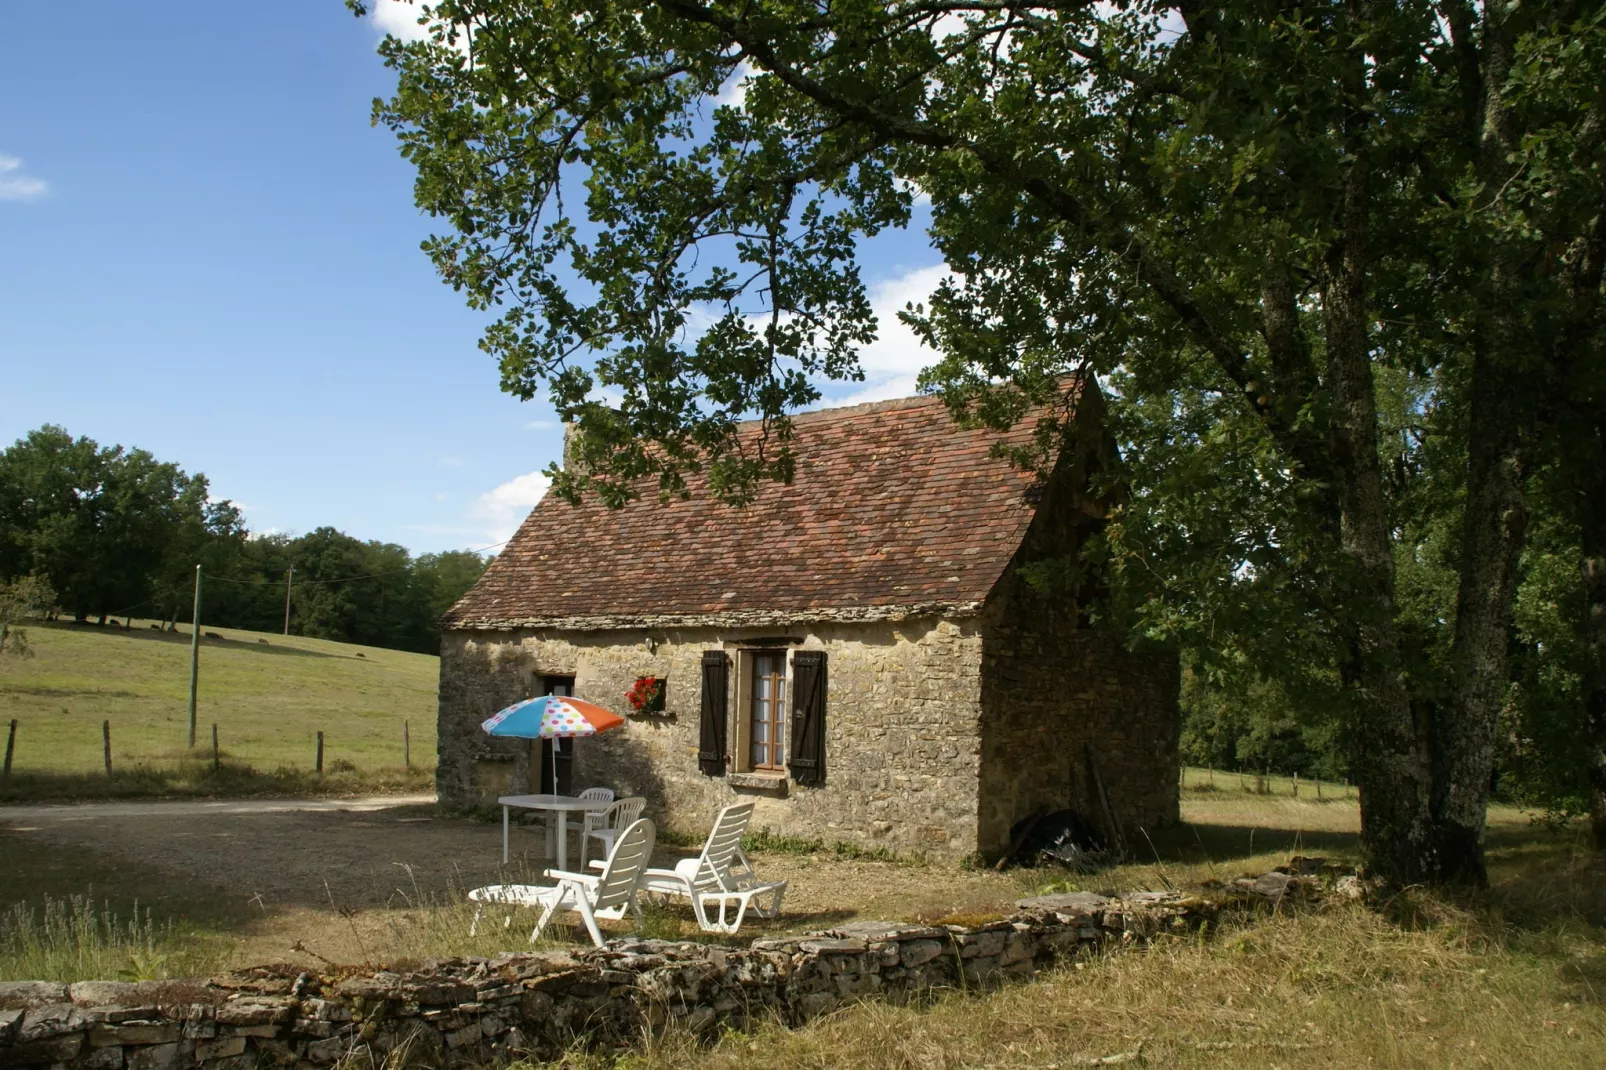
(711, 737)
(808, 717)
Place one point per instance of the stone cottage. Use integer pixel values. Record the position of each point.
(858, 651)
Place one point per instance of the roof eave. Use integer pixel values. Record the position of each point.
(733, 618)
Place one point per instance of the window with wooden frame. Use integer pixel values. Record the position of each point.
(767, 712)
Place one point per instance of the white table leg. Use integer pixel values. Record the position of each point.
(563, 839)
(504, 835)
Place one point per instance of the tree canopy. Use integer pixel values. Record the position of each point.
(1352, 249)
(116, 532)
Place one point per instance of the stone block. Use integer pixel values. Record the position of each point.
(100, 1059)
(8, 1023)
(152, 1057)
(45, 1021)
(263, 1031)
(1065, 904)
(919, 952)
(327, 1051)
(57, 1049)
(21, 994)
(134, 1033)
(325, 1010)
(221, 1048)
(256, 1011)
(978, 945)
(468, 1034)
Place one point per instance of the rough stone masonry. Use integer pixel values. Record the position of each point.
(469, 1011)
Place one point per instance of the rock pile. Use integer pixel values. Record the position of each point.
(466, 1011)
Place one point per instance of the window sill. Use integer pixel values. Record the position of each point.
(772, 782)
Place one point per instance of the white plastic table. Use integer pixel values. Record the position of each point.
(562, 805)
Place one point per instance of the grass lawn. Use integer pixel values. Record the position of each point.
(1515, 976)
(268, 694)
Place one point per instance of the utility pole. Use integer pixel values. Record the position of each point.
(195, 652)
(288, 578)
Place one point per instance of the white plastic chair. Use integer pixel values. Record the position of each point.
(614, 820)
(593, 895)
(588, 822)
(720, 874)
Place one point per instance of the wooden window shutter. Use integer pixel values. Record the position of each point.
(715, 710)
(808, 717)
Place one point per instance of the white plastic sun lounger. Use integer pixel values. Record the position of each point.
(722, 876)
(608, 894)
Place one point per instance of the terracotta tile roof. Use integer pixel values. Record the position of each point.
(893, 510)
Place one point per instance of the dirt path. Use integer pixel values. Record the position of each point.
(252, 858)
(191, 807)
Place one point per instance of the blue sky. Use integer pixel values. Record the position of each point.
(207, 251)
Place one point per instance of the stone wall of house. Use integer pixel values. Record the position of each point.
(1051, 697)
(902, 745)
(468, 1012)
(1058, 696)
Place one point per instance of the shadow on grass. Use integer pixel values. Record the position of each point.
(198, 779)
(1201, 843)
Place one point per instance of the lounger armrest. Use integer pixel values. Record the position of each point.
(666, 881)
(568, 875)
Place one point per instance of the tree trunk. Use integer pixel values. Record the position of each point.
(1395, 797)
(1493, 526)
(1594, 575)
(1502, 418)
(1585, 468)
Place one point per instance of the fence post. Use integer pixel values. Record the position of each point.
(320, 754)
(11, 748)
(1318, 789)
(1296, 785)
(217, 758)
(106, 739)
(407, 746)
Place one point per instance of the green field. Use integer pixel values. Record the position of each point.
(268, 699)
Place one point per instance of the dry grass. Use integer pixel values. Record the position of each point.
(269, 700)
(1343, 988)
(1513, 977)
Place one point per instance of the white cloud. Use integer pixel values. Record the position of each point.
(15, 185)
(897, 350)
(542, 425)
(734, 91)
(893, 362)
(398, 18)
(446, 460)
(502, 508)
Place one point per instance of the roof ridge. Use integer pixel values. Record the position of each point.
(833, 412)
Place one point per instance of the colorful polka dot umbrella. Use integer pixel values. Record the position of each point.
(550, 717)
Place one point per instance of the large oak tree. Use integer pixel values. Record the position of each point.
(1250, 209)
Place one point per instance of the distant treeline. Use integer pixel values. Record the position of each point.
(118, 534)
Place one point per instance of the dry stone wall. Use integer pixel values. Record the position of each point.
(469, 1011)
(902, 713)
